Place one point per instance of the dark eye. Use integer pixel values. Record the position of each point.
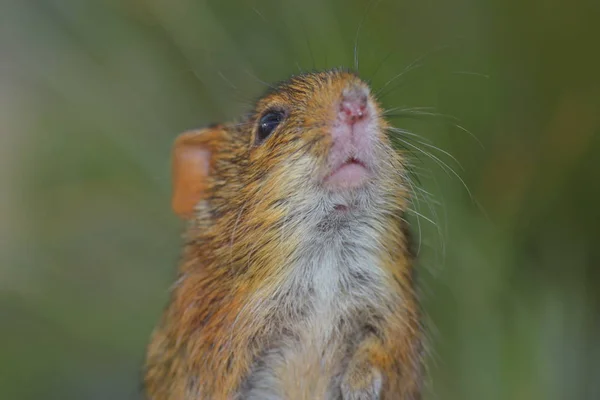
(267, 124)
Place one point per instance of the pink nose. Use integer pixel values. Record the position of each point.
(354, 105)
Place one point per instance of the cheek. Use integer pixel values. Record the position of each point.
(294, 178)
(374, 143)
(292, 161)
(317, 143)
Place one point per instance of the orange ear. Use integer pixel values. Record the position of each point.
(193, 154)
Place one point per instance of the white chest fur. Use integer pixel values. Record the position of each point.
(335, 279)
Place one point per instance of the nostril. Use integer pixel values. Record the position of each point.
(354, 106)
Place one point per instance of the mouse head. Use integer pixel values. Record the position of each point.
(315, 142)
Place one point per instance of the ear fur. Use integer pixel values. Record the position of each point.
(192, 161)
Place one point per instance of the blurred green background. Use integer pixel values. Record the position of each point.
(93, 92)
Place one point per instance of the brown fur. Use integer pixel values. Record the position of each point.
(218, 324)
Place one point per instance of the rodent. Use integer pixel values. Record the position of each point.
(296, 280)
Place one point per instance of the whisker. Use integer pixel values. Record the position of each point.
(409, 133)
(422, 216)
(379, 67)
(310, 52)
(411, 67)
(419, 197)
(227, 80)
(259, 14)
(428, 195)
(249, 73)
(471, 73)
(462, 128)
(358, 33)
(438, 228)
(415, 112)
(441, 163)
(414, 65)
(442, 234)
(416, 197)
(419, 112)
(403, 131)
(356, 45)
(407, 109)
